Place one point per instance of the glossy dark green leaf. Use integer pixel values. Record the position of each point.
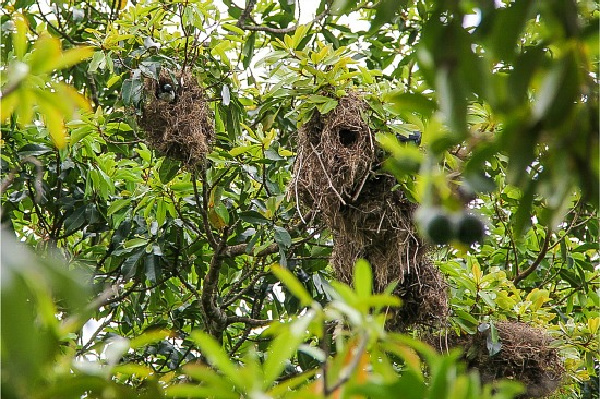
(76, 219)
(282, 237)
(168, 170)
(248, 50)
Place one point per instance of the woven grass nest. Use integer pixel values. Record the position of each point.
(335, 154)
(369, 219)
(526, 355)
(181, 129)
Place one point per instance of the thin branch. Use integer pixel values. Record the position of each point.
(538, 260)
(57, 30)
(246, 13)
(92, 339)
(204, 210)
(132, 290)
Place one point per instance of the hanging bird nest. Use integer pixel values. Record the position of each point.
(526, 355)
(180, 129)
(379, 227)
(335, 154)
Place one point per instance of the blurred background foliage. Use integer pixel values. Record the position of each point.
(148, 269)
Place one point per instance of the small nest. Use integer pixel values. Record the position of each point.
(526, 356)
(377, 227)
(335, 154)
(181, 129)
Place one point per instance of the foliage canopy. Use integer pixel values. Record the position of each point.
(152, 157)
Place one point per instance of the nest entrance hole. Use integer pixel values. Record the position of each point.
(347, 136)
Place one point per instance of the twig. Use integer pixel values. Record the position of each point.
(536, 263)
(346, 373)
(248, 321)
(101, 327)
(246, 13)
(329, 182)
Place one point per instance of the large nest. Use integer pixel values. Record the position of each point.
(368, 216)
(180, 129)
(335, 154)
(526, 355)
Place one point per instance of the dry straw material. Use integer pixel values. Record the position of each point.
(369, 217)
(526, 355)
(335, 154)
(181, 129)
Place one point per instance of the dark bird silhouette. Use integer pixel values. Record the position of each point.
(414, 137)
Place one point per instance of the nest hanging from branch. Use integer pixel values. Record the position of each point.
(367, 216)
(335, 154)
(180, 129)
(526, 355)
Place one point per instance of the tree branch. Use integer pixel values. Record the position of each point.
(215, 316)
(520, 276)
(246, 13)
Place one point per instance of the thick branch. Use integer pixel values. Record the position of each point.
(246, 13)
(536, 263)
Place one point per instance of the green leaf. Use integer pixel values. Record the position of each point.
(76, 219)
(248, 50)
(131, 91)
(327, 106)
(117, 205)
(45, 51)
(284, 346)
(135, 243)
(282, 237)
(215, 354)
(72, 56)
(168, 170)
(128, 267)
(385, 11)
(292, 284)
(411, 386)
(241, 150)
(198, 391)
(363, 279)
(453, 101)
(504, 40)
(559, 91)
(147, 338)
(409, 102)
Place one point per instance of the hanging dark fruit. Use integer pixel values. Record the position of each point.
(470, 229)
(436, 225)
